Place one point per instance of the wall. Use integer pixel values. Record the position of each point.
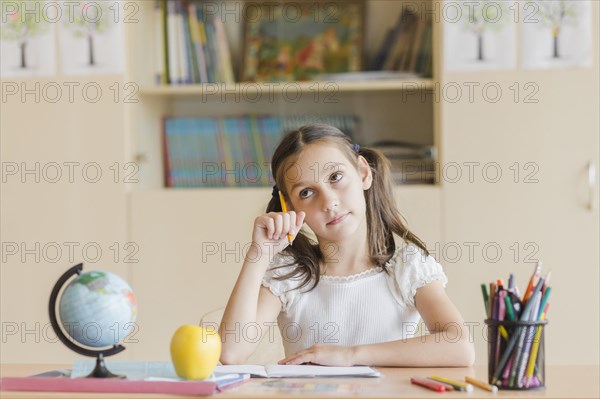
(537, 209)
(51, 219)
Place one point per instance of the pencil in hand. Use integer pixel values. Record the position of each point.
(284, 209)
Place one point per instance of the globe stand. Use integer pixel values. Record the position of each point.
(100, 371)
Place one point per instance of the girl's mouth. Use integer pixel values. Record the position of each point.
(338, 219)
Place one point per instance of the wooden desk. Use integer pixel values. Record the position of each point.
(563, 382)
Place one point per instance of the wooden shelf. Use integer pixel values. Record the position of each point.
(247, 88)
(236, 191)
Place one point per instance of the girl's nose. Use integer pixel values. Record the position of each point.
(330, 202)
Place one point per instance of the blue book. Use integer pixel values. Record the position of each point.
(235, 149)
(211, 38)
(193, 152)
(208, 57)
(271, 131)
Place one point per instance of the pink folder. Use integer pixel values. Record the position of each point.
(62, 384)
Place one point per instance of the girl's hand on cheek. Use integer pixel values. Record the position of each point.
(271, 230)
(325, 355)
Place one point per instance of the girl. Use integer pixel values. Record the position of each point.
(350, 295)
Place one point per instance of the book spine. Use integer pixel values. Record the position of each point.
(384, 50)
(271, 131)
(194, 76)
(395, 44)
(166, 158)
(412, 43)
(202, 22)
(212, 49)
(223, 49)
(180, 45)
(158, 43)
(165, 42)
(417, 44)
(261, 160)
(173, 161)
(197, 40)
(106, 385)
(186, 59)
(172, 56)
(203, 152)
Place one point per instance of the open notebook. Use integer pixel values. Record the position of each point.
(283, 371)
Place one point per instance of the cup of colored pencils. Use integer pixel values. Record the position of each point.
(515, 333)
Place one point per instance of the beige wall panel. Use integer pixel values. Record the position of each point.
(538, 208)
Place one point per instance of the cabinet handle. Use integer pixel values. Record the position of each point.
(592, 184)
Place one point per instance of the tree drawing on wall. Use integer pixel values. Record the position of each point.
(20, 24)
(481, 16)
(88, 19)
(556, 15)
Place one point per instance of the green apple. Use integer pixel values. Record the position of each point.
(195, 351)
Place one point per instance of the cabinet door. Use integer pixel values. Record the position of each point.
(528, 198)
(420, 205)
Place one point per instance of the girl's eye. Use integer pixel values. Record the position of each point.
(305, 193)
(336, 177)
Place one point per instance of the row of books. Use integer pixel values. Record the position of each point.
(408, 46)
(411, 163)
(192, 45)
(231, 151)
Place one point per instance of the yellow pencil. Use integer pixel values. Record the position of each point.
(535, 348)
(503, 332)
(481, 384)
(284, 209)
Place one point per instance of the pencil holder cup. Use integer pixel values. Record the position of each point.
(516, 354)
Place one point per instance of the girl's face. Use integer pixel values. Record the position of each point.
(324, 184)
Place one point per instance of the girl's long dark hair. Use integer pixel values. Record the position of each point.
(383, 218)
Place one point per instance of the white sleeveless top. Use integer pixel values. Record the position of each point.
(364, 308)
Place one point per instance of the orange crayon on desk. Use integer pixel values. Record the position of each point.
(284, 209)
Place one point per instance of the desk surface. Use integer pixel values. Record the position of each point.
(562, 382)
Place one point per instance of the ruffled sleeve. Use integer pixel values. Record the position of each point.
(283, 289)
(411, 270)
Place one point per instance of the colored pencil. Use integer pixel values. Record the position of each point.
(481, 384)
(509, 308)
(528, 340)
(486, 299)
(535, 348)
(458, 385)
(284, 209)
(532, 282)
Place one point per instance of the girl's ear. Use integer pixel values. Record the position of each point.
(364, 170)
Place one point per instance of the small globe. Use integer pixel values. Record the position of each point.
(97, 309)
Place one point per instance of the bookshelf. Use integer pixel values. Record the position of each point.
(391, 109)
